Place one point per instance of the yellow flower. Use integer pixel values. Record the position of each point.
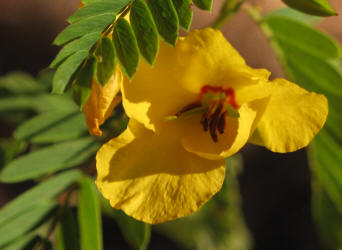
(199, 104)
(101, 102)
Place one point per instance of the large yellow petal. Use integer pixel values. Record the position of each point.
(236, 135)
(203, 57)
(152, 178)
(101, 102)
(292, 118)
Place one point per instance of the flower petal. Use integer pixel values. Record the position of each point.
(101, 102)
(202, 57)
(292, 118)
(152, 178)
(236, 135)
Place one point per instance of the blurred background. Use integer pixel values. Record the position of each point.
(275, 188)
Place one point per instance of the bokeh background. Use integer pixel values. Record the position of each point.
(275, 188)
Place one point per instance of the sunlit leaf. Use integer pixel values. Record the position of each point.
(89, 216)
(97, 8)
(66, 71)
(145, 30)
(106, 59)
(126, 47)
(313, 7)
(166, 19)
(49, 160)
(52, 126)
(43, 191)
(83, 80)
(204, 4)
(83, 43)
(183, 8)
(85, 26)
(32, 217)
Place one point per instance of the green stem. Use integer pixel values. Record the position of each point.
(228, 9)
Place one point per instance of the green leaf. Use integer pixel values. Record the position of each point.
(22, 223)
(303, 37)
(312, 7)
(294, 15)
(19, 83)
(23, 243)
(66, 232)
(183, 8)
(66, 71)
(53, 126)
(166, 19)
(106, 56)
(49, 160)
(48, 189)
(126, 47)
(98, 8)
(82, 84)
(204, 4)
(145, 30)
(327, 218)
(89, 216)
(85, 26)
(83, 43)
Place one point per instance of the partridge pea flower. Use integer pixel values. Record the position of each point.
(102, 101)
(199, 104)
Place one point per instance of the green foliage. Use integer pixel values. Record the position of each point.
(126, 46)
(66, 71)
(312, 59)
(165, 16)
(89, 216)
(312, 7)
(46, 190)
(52, 127)
(49, 160)
(66, 232)
(145, 30)
(204, 4)
(106, 59)
(83, 43)
(83, 80)
(25, 221)
(84, 26)
(98, 8)
(327, 218)
(184, 13)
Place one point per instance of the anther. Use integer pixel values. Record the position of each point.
(214, 121)
(222, 123)
(188, 107)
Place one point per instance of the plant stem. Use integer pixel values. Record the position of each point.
(228, 9)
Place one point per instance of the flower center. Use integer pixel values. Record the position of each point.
(215, 103)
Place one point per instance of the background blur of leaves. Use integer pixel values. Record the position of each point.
(46, 153)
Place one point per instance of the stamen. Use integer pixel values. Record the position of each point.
(222, 123)
(205, 121)
(189, 107)
(214, 120)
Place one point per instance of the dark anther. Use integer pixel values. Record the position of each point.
(205, 121)
(222, 123)
(188, 107)
(212, 131)
(214, 122)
